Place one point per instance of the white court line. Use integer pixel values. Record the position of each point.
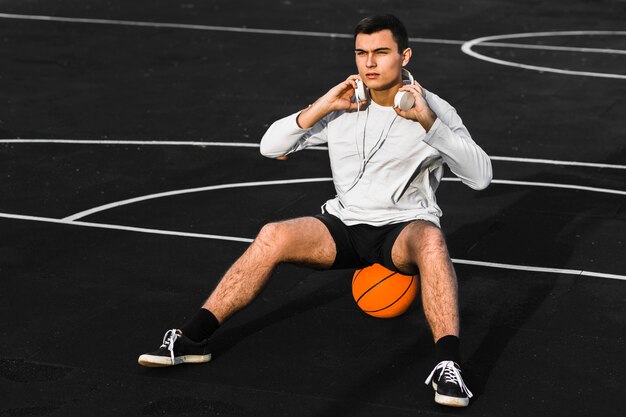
(556, 162)
(467, 49)
(205, 27)
(129, 142)
(121, 227)
(98, 209)
(548, 185)
(256, 145)
(248, 240)
(554, 48)
(116, 204)
(540, 269)
(214, 28)
(466, 46)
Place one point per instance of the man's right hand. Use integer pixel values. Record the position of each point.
(340, 97)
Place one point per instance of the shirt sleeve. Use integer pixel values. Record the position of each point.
(285, 136)
(450, 137)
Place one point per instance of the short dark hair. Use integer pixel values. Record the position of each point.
(373, 24)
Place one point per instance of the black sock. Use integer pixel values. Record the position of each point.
(201, 326)
(448, 349)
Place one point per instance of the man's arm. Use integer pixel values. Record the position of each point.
(447, 133)
(451, 138)
(337, 98)
(283, 136)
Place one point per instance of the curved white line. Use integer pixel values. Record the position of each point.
(98, 209)
(256, 145)
(555, 48)
(248, 240)
(467, 49)
(116, 204)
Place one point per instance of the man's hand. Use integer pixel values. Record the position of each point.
(340, 96)
(421, 112)
(337, 98)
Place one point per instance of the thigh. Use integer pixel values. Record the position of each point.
(347, 241)
(304, 241)
(419, 246)
(384, 251)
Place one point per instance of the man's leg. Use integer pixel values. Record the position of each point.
(303, 241)
(421, 248)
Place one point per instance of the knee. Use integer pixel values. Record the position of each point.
(434, 236)
(271, 239)
(429, 240)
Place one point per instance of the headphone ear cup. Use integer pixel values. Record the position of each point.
(360, 92)
(404, 100)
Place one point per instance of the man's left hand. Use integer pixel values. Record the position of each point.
(421, 111)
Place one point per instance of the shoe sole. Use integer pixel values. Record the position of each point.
(450, 401)
(153, 361)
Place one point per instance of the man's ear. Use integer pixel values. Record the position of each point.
(406, 56)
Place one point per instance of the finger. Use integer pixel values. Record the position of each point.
(415, 90)
(420, 89)
(411, 88)
(400, 112)
(344, 87)
(352, 79)
(360, 106)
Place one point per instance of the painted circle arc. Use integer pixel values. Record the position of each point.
(491, 41)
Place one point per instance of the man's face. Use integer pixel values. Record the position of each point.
(378, 60)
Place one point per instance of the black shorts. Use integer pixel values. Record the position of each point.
(361, 245)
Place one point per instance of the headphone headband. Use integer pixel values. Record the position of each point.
(408, 74)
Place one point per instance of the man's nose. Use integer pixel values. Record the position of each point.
(371, 62)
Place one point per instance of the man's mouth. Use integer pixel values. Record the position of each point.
(372, 75)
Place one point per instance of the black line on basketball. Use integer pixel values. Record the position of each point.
(398, 299)
(375, 285)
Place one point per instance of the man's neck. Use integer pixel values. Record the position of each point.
(385, 97)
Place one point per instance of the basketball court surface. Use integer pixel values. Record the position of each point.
(130, 179)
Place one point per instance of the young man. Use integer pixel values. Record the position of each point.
(386, 165)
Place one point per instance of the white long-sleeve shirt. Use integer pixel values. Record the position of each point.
(386, 168)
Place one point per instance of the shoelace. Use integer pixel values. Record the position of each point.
(168, 341)
(449, 373)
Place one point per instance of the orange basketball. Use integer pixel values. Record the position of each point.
(382, 293)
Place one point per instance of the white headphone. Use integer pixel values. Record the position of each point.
(403, 99)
